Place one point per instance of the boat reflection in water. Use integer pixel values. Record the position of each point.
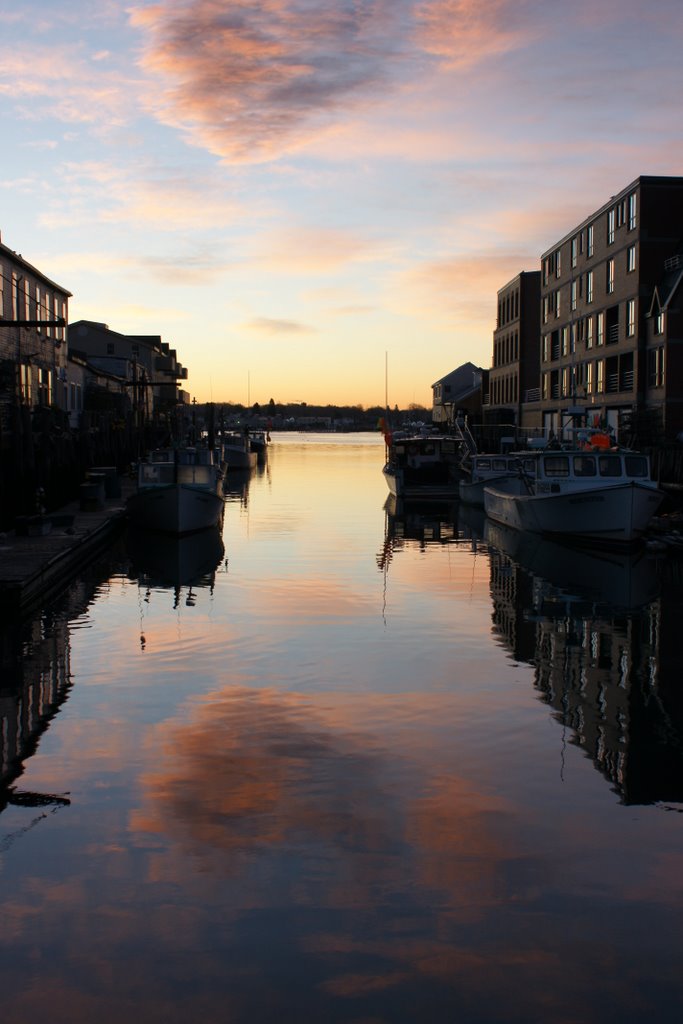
(599, 633)
(175, 562)
(424, 521)
(617, 578)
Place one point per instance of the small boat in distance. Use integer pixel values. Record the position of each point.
(179, 490)
(593, 494)
(238, 451)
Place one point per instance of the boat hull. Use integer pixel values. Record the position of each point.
(175, 508)
(617, 514)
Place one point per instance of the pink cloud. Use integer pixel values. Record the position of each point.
(464, 32)
(252, 80)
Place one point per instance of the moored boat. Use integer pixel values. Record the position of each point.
(179, 490)
(596, 496)
(423, 465)
(238, 451)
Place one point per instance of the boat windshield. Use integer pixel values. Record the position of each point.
(610, 465)
(584, 465)
(636, 466)
(556, 465)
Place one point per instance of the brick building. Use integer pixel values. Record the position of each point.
(611, 321)
(514, 374)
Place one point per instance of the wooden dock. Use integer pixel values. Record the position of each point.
(36, 566)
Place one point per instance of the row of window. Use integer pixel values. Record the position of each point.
(508, 308)
(506, 350)
(503, 390)
(597, 329)
(37, 383)
(601, 376)
(624, 213)
(29, 301)
(583, 287)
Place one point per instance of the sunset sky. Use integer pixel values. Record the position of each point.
(294, 193)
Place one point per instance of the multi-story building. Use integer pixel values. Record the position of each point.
(148, 363)
(33, 351)
(611, 329)
(514, 374)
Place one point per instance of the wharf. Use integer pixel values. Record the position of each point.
(35, 568)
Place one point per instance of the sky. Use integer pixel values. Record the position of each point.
(318, 201)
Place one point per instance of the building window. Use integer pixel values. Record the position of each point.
(25, 383)
(573, 294)
(546, 348)
(564, 335)
(631, 259)
(574, 250)
(600, 339)
(655, 368)
(589, 286)
(566, 391)
(610, 276)
(588, 377)
(600, 376)
(545, 309)
(27, 301)
(632, 219)
(572, 338)
(546, 385)
(558, 263)
(557, 303)
(39, 311)
(589, 235)
(589, 332)
(659, 322)
(610, 227)
(631, 318)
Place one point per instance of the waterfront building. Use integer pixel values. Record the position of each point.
(461, 389)
(149, 365)
(611, 329)
(33, 350)
(513, 391)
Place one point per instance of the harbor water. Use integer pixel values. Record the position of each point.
(345, 760)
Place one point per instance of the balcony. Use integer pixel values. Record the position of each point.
(532, 395)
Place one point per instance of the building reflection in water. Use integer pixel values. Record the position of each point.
(35, 656)
(35, 670)
(600, 628)
(597, 626)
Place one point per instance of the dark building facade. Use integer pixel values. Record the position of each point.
(514, 374)
(611, 326)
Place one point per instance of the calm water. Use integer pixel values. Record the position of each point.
(374, 764)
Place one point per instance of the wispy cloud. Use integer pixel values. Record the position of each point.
(302, 250)
(269, 326)
(464, 32)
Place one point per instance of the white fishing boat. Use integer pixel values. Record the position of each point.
(423, 465)
(238, 451)
(593, 495)
(490, 470)
(179, 490)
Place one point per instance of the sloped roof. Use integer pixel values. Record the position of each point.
(463, 381)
